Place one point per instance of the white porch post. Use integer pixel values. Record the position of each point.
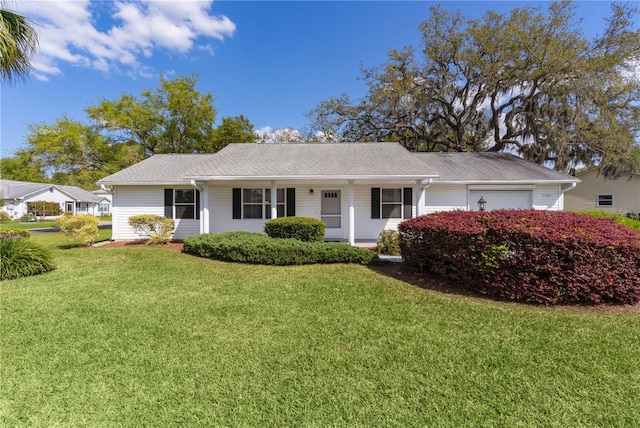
(205, 208)
(352, 211)
(419, 198)
(274, 199)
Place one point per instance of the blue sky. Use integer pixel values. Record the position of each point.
(271, 61)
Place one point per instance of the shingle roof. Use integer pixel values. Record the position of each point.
(311, 160)
(10, 189)
(277, 160)
(489, 166)
(344, 160)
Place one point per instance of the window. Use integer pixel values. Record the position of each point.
(182, 203)
(103, 207)
(391, 203)
(604, 201)
(256, 203)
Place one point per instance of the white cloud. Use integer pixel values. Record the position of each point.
(120, 34)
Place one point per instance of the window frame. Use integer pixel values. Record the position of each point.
(171, 211)
(265, 204)
(599, 201)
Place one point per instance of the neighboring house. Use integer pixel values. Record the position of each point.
(357, 189)
(14, 196)
(596, 193)
(103, 204)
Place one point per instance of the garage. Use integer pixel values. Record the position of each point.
(501, 199)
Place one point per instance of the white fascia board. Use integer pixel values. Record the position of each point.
(507, 182)
(144, 183)
(311, 177)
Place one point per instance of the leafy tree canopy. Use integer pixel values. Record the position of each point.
(18, 43)
(528, 82)
(174, 118)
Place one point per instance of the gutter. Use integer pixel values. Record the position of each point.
(571, 187)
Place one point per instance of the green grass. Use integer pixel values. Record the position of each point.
(620, 218)
(28, 226)
(58, 240)
(149, 337)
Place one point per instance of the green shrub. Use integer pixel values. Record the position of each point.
(388, 243)
(22, 257)
(248, 247)
(28, 218)
(156, 228)
(8, 233)
(307, 229)
(630, 220)
(83, 228)
(4, 216)
(44, 208)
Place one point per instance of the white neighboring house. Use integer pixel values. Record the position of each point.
(357, 189)
(14, 196)
(103, 204)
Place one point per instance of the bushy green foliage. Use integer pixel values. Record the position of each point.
(21, 257)
(83, 227)
(9, 233)
(249, 247)
(533, 256)
(630, 220)
(4, 216)
(156, 228)
(28, 218)
(388, 242)
(307, 229)
(44, 208)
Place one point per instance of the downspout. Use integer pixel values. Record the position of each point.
(571, 187)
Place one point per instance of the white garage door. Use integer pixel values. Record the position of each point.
(501, 199)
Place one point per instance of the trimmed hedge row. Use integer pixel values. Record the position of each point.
(250, 247)
(306, 229)
(526, 255)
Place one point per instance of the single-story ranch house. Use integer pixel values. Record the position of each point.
(357, 189)
(15, 195)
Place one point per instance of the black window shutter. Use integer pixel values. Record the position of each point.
(291, 201)
(168, 203)
(408, 202)
(237, 203)
(197, 204)
(375, 202)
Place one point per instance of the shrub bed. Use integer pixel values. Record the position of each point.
(21, 257)
(82, 227)
(248, 247)
(306, 229)
(532, 256)
(157, 229)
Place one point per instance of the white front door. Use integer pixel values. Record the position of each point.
(331, 213)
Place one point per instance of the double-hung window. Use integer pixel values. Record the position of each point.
(604, 200)
(391, 202)
(182, 203)
(256, 203)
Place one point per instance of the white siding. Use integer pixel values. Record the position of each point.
(135, 200)
(445, 197)
(548, 197)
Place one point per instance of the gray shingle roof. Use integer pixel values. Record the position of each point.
(489, 166)
(311, 160)
(344, 160)
(277, 160)
(10, 189)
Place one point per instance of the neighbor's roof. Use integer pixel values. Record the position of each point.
(10, 189)
(278, 161)
(489, 167)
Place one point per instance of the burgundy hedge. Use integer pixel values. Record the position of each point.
(546, 257)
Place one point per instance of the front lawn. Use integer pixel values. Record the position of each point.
(149, 337)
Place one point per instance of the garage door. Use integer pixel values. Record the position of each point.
(501, 199)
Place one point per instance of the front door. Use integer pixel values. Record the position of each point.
(331, 213)
(69, 207)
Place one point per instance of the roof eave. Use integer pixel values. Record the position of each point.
(508, 181)
(310, 177)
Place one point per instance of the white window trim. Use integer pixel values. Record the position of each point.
(266, 203)
(382, 203)
(182, 204)
(598, 204)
